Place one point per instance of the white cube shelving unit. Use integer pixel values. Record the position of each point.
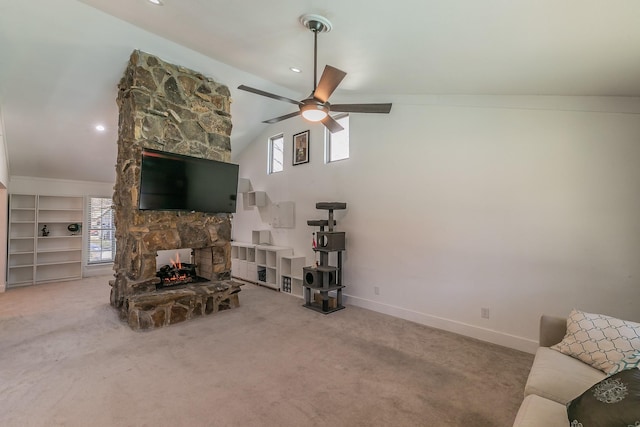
(268, 264)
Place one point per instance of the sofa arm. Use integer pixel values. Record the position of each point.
(552, 330)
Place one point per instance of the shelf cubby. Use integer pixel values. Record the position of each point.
(251, 254)
(261, 237)
(60, 256)
(21, 275)
(261, 257)
(23, 201)
(291, 274)
(23, 216)
(58, 271)
(271, 258)
(292, 266)
(22, 230)
(63, 203)
(21, 260)
(256, 198)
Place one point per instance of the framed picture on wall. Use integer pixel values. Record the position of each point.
(301, 148)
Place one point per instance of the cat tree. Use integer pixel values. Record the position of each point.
(323, 280)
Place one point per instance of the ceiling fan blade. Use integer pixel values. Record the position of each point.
(267, 94)
(361, 108)
(331, 124)
(281, 118)
(329, 81)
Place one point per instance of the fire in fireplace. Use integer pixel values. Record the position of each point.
(177, 273)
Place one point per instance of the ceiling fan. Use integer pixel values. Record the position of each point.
(316, 107)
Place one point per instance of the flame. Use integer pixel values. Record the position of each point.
(176, 263)
(176, 277)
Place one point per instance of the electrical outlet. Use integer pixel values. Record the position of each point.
(484, 313)
(376, 290)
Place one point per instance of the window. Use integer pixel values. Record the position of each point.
(337, 144)
(102, 231)
(276, 154)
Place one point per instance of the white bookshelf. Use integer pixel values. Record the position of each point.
(34, 258)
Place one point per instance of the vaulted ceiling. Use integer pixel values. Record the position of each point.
(60, 61)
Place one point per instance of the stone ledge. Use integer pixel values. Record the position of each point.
(168, 306)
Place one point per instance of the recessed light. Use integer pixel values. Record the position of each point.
(156, 2)
(295, 69)
(100, 128)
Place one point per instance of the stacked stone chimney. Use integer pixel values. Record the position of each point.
(174, 109)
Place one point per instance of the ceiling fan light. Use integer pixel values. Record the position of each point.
(314, 113)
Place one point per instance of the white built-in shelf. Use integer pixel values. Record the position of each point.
(33, 258)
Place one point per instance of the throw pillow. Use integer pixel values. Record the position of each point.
(629, 362)
(614, 401)
(598, 340)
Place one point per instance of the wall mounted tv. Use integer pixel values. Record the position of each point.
(175, 182)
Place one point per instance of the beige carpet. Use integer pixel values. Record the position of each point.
(66, 360)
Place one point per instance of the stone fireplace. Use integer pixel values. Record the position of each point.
(174, 109)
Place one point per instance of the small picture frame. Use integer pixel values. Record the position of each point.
(301, 148)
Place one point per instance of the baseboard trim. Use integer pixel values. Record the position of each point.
(97, 270)
(472, 331)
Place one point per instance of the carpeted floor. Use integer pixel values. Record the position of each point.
(66, 360)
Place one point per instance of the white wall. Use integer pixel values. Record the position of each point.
(4, 161)
(62, 187)
(4, 203)
(521, 205)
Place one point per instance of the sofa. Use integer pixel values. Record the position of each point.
(557, 379)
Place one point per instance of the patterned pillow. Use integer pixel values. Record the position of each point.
(598, 340)
(629, 362)
(614, 401)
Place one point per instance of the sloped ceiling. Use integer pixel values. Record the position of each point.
(60, 61)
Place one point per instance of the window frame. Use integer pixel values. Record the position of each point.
(328, 140)
(271, 153)
(110, 228)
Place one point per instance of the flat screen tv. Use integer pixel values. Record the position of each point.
(175, 182)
